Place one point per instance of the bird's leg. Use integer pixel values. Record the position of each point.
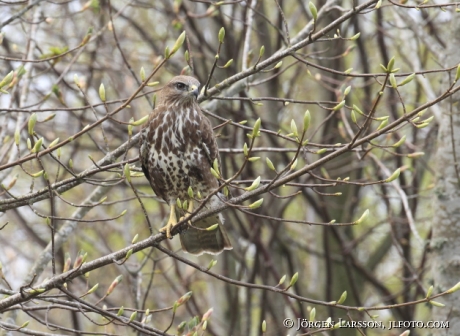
(189, 211)
(190, 207)
(171, 222)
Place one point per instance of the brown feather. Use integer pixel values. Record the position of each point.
(177, 150)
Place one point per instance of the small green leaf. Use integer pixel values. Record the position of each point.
(179, 42)
(261, 51)
(31, 124)
(294, 128)
(363, 217)
(313, 10)
(342, 298)
(339, 106)
(382, 125)
(422, 125)
(393, 83)
(353, 116)
(132, 317)
(214, 173)
(37, 146)
(213, 227)
(312, 314)
(306, 120)
(256, 128)
(408, 79)
(40, 173)
(294, 279)
(269, 164)
(7, 79)
(184, 298)
(221, 35)
(228, 63)
(142, 74)
(400, 142)
(437, 304)
(102, 92)
(52, 144)
(321, 151)
(140, 121)
(129, 253)
(453, 289)
(17, 137)
(255, 184)
(355, 37)
(190, 192)
(25, 324)
(127, 173)
(283, 278)
(93, 289)
(391, 64)
(212, 263)
(245, 149)
(256, 204)
(393, 176)
(357, 109)
(430, 290)
(415, 154)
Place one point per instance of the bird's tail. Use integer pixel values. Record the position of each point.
(196, 240)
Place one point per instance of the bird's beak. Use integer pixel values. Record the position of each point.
(194, 90)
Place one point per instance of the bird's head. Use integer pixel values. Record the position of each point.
(180, 89)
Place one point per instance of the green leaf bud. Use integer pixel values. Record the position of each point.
(31, 124)
(102, 92)
(270, 164)
(221, 35)
(179, 42)
(408, 79)
(256, 204)
(255, 184)
(363, 217)
(393, 176)
(313, 10)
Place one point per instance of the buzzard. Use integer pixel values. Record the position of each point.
(177, 151)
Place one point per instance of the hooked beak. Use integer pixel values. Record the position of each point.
(194, 90)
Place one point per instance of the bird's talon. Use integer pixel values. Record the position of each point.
(171, 223)
(185, 217)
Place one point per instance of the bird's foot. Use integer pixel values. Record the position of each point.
(185, 217)
(171, 222)
(189, 211)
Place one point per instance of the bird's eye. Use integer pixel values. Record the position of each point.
(180, 86)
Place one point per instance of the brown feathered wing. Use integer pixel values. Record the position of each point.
(198, 241)
(167, 165)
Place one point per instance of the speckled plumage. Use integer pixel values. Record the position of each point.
(177, 149)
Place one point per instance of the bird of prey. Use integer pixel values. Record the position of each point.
(177, 150)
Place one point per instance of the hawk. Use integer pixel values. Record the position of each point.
(177, 151)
